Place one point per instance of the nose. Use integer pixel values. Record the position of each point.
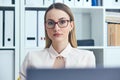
(56, 28)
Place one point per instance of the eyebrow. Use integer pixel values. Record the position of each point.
(62, 18)
(58, 19)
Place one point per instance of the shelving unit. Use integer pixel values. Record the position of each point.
(111, 52)
(90, 24)
(9, 45)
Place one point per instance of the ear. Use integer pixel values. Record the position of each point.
(71, 25)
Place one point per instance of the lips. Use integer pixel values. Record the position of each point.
(57, 34)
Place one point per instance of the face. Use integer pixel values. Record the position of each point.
(58, 25)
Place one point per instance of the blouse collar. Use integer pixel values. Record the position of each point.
(64, 53)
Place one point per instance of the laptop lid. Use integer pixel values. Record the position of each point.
(74, 74)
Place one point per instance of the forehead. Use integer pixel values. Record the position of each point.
(56, 14)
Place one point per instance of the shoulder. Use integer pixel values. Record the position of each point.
(86, 58)
(82, 53)
(37, 53)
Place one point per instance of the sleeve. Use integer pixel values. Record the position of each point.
(91, 62)
(25, 65)
(87, 60)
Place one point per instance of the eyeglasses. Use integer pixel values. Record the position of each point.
(50, 24)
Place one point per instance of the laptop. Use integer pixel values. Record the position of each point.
(74, 74)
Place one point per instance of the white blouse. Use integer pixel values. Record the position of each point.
(74, 58)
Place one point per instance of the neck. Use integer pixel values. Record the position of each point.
(59, 46)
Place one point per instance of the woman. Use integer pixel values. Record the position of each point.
(61, 47)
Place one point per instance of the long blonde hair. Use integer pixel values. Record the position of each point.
(71, 36)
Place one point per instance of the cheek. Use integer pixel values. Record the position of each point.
(49, 32)
(66, 32)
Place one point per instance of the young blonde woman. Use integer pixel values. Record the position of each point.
(61, 46)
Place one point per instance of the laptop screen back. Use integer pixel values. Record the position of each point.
(74, 74)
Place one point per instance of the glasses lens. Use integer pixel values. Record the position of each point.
(50, 24)
(63, 23)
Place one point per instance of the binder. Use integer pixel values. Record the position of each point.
(34, 3)
(69, 3)
(30, 28)
(94, 2)
(7, 65)
(60, 1)
(113, 3)
(113, 34)
(99, 2)
(5, 2)
(78, 3)
(1, 2)
(87, 3)
(1, 28)
(9, 25)
(41, 29)
(47, 2)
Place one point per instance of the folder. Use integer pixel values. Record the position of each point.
(78, 3)
(47, 2)
(34, 3)
(87, 3)
(30, 28)
(9, 29)
(41, 29)
(60, 1)
(7, 65)
(1, 28)
(69, 3)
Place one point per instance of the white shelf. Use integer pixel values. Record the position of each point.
(7, 47)
(90, 47)
(1, 5)
(112, 7)
(6, 5)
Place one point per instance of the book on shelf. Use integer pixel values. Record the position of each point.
(113, 34)
(113, 17)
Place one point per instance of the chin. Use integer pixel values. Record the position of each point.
(57, 40)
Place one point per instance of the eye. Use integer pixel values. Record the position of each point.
(62, 21)
(50, 23)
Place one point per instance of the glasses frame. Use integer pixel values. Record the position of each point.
(57, 24)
